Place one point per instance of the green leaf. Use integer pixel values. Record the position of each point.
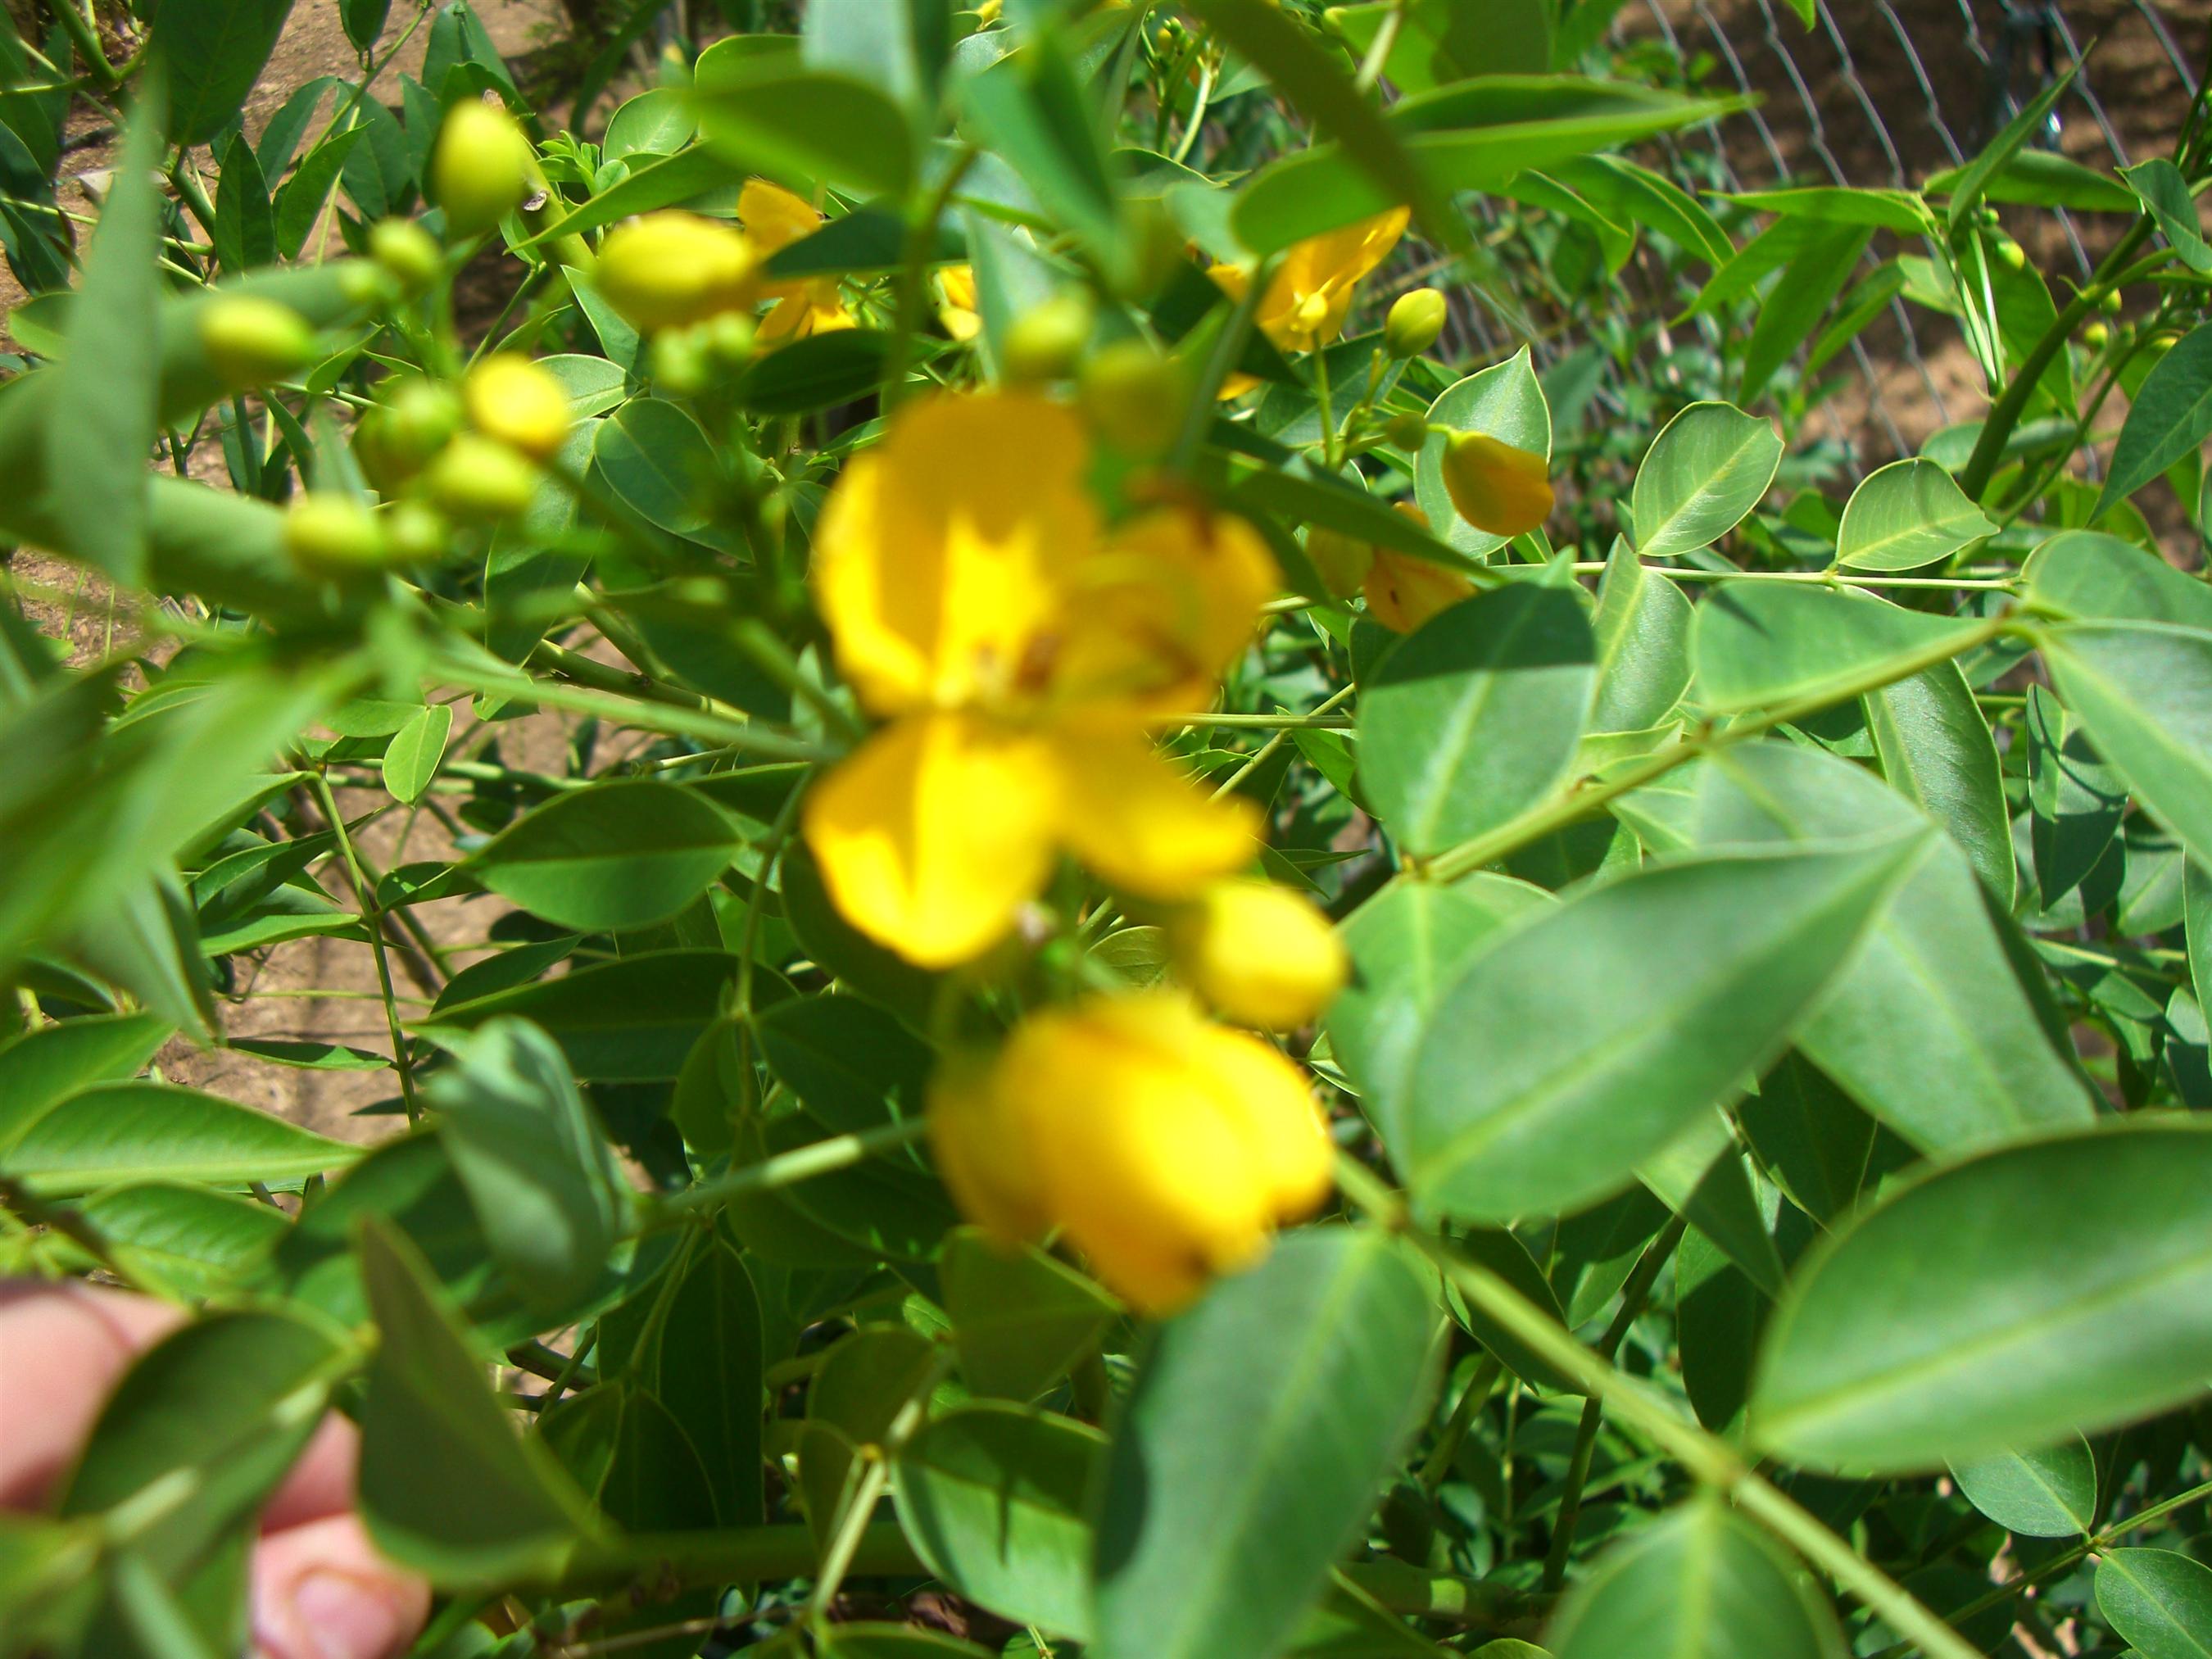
(2051, 1493)
(2144, 692)
(363, 21)
(1029, 108)
(853, 1066)
(803, 127)
(1262, 1427)
(2169, 419)
(1936, 751)
(1761, 643)
(1967, 189)
(245, 226)
(684, 176)
(1792, 308)
(1504, 402)
(2159, 184)
(43, 1066)
(2045, 178)
(631, 1021)
(2087, 575)
(1643, 635)
(654, 456)
(819, 372)
(653, 123)
(447, 1487)
(299, 199)
(101, 412)
(622, 854)
(1408, 944)
(411, 758)
(546, 1188)
(867, 1641)
(2074, 801)
(213, 51)
(195, 1241)
(1810, 1138)
(1907, 514)
(1898, 211)
(707, 1373)
(1701, 1580)
(2098, 1314)
(2197, 890)
(1559, 1061)
(1704, 473)
(1021, 1320)
(2159, 1600)
(118, 1132)
(993, 1497)
(1476, 715)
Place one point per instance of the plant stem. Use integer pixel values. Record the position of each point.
(913, 257)
(782, 1168)
(1441, 1456)
(1316, 721)
(1563, 809)
(1817, 578)
(1707, 1458)
(1633, 1295)
(365, 895)
(875, 1475)
(1260, 755)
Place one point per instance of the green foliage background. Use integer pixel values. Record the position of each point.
(1776, 1215)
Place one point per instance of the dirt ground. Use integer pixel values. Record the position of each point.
(1848, 100)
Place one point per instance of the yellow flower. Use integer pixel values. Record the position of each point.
(1017, 647)
(1167, 1148)
(1312, 292)
(955, 287)
(671, 269)
(774, 218)
(510, 397)
(1259, 953)
(1497, 488)
(1403, 592)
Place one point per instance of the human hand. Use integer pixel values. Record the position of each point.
(319, 1588)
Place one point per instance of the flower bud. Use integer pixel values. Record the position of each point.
(407, 254)
(2110, 301)
(2010, 254)
(518, 402)
(670, 269)
(417, 533)
(729, 338)
(1045, 340)
(416, 418)
(1407, 432)
(1498, 489)
(979, 1154)
(1403, 592)
(1415, 321)
(1165, 1147)
(480, 171)
(1343, 561)
(250, 341)
(679, 361)
(1134, 395)
(1259, 953)
(475, 480)
(2096, 336)
(331, 535)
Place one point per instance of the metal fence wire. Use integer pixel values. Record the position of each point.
(1881, 93)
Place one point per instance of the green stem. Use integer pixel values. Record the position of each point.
(1260, 755)
(1709, 1459)
(2006, 413)
(1817, 578)
(1563, 809)
(1633, 1295)
(913, 260)
(853, 1525)
(1315, 721)
(1378, 50)
(673, 720)
(1442, 1455)
(783, 1168)
(365, 895)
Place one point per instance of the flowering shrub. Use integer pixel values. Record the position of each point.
(1057, 947)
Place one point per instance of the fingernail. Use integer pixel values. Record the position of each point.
(344, 1617)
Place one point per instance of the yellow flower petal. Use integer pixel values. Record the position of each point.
(774, 217)
(1131, 817)
(939, 559)
(1267, 1099)
(1162, 609)
(1498, 489)
(1403, 592)
(934, 834)
(982, 1153)
(1261, 954)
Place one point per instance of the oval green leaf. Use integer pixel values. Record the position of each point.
(1907, 514)
(411, 758)
(127, 1132)
(1704, 473)
(1758, 643)
(2143, 691)
(623, 855)
(2158, 1601)
(2051, 1493)
(1504, 401)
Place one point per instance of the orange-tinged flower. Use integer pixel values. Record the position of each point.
(1497, 488)
(775, 218)
(1165, 1147)
(1017, 647)
(1312, 292)
(1403, 591)
(957, 308)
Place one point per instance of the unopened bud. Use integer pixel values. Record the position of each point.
(2009, 253)
(1499, 489)
(1415, 321)
(250, 341)
(481, 170)
(1045, 340)
(671, 269)
(2096, 336)
(1134, 395)
(680, 361)
(416, 419)
(518, 402)
(417, 533)
(407, 254)
(1258, 952)
(1407, 432)
(331, 535)
(476, 481)
(2109, 303)
(1343, 561)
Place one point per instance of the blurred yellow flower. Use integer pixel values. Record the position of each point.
(774, 218)
(1017, 647)
(1167, 1148)
(671, 269)
(1312, 292)
(1403, 591)
(956, 288)
(1260, 954)
(1497, 488)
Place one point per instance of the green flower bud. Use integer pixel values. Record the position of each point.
(2096, 336)
(1133, 396)
(416, 420)
(333, 536)
(1415, 322)
(1045, 340)
(250, 342)
(406, 253)
(2110, 301)
(729, 338)
(476, 480)
(2009, 253)
(681, 360)
(518, 402)
(1407, 432)
(480, 171)
(670, 269)
(417, 533)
